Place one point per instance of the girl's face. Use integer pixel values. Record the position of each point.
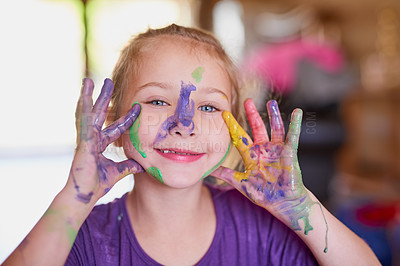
(180, 136)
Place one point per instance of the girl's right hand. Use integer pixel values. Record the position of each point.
(92, 174)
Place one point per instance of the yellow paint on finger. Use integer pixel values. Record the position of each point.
(240, 176)
(238, 135)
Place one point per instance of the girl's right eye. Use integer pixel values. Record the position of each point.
(157, 102)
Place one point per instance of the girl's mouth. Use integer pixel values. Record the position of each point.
(178, 155)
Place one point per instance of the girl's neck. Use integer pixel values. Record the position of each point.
(152, 201)
(173, 226)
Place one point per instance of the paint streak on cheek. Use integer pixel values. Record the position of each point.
(134, 136)
(218, 164)
(155, 172)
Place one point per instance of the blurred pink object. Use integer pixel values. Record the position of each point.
(277, 64)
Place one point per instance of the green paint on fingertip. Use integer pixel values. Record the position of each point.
(134, 134)
(155, 172)
(197, 74)
(218, 164)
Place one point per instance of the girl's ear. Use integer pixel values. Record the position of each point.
(111, 117)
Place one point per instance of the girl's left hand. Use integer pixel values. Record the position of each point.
(272, 177)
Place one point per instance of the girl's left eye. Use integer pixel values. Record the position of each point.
(208, 108)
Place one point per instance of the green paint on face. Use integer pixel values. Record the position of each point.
(154, 171)
(197, 74)
(134, 136)
(218, 164)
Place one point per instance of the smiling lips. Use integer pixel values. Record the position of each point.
(178, 155)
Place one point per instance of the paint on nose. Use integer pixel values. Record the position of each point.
(185, 108)
(183, 116)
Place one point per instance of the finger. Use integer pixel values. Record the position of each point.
(86, 93)
(102, 102)
(128, 167)
(292, 138)
(275, 119)
(117, 128)
(257, 125)
(84, 107)
(228, 175)
(240, 138)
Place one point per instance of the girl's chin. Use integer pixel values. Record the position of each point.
(178, 178)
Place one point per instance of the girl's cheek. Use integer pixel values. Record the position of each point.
(150, 125)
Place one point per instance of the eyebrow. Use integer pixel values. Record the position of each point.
(215, 90)
(165, 85)
(161, 85)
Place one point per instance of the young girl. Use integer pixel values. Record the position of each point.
(173, 107)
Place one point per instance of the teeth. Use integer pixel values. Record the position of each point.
(168, 151)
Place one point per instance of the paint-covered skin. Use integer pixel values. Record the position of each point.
(272, 177)
(183, 115)
(197, 74)
(92, 174)
(134, 135)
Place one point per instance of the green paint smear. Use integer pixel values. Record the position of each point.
(308, 227)
(197, 74)
(71, 234)
(218, 164)
(49, 212)
(154, 171)
(134, 135)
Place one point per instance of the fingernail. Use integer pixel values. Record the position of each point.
(273, 106)
(136, 107)
(87, 86)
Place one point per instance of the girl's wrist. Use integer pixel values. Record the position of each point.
(70, 208)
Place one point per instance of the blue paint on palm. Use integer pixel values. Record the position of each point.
(183, 115)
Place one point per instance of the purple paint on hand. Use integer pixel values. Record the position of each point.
(183, 116)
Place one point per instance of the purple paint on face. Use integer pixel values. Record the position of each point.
(183, 115)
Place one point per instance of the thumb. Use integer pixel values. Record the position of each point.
(128, 167)
(228, 175)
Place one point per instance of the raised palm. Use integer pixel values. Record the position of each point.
(272, 177)
(92, 174)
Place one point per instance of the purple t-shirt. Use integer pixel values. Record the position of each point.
(246, 234)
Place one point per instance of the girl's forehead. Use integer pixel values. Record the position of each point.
(177, 59)
(178, 44)
(169, 62)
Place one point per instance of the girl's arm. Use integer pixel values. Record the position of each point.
(272, 180)
(90, 177)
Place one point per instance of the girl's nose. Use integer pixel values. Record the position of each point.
(183, 130)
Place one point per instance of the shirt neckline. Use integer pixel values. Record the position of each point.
(149, 260)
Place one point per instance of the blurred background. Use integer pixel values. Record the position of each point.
(338, 60)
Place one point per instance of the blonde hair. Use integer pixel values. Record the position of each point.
(128, 67)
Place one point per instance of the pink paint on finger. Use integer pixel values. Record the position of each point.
(256, 123)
